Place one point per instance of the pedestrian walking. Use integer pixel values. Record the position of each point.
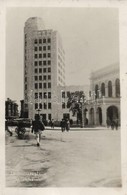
(116, 123)
(67, 125)
(108, 123)
(112, 125)
(37, 128)
(63, 125)
(52, 124)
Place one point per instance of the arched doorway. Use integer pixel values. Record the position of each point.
(99, 116)
(112, 113)
(91, 116)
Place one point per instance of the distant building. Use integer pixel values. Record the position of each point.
(104, 100)
(44, 68)
(63, 110)
(11, 109)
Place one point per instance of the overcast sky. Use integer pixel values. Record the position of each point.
(90, 40)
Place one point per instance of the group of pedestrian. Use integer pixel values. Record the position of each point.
(112, 123)
(65, 125)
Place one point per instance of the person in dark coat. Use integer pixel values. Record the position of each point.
(63, 125)
(37, 128)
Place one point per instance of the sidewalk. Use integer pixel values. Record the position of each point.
(81, 129)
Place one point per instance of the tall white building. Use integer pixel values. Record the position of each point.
(44, 69)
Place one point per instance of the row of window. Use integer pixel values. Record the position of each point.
(36, 63)
(44, 40)
(101, 92)
(44, 106)
(40, 70)
(44, 95)
(65, 105)
(45, 85)
(44, 55)
(40, 78)
(44, 48)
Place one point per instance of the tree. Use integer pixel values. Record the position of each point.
(75, 105)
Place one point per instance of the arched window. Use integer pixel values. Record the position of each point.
(110, 89)
(117, 87)
(103, 89)
(96, 92)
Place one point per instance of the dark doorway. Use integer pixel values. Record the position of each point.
(112, 113)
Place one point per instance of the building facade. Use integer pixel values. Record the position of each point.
(104, 96)
(11, 109)
(44, 69)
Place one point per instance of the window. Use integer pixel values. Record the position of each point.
(68, 94)
(36, 106)
(40, 95)
(49, 55)
(25, 79)
(63, 105)
(49, 85)
(40, 70)
(36, 85)
(35, 63)
(35, 55)
(44, 40)
(49, 69)
(40, 85)
(44, 85)
(117, 87)
(109, 89)
(44, 48)
(63, 94)
(49, 77)
(45, 106)
(44, 77)
(35, 41)
(49, 62)
(96, 92)
(49, 105)
(49, 40)
(36, 95)
(40, 78)
(40, 48)
(45, 95)
(49, 47)
(40, 41)
(49, 95)
(40, 105)
(44, 55)
(35, 48)
(102, 89)
(44, 69)
(35, 70)
(44, 63)
(40, 63)
(49, 116)
(36, 78)
(40, 55)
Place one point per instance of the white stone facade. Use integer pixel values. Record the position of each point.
(104, 101)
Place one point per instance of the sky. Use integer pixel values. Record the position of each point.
(90, 39)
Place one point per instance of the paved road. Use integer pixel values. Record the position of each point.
(88, 158)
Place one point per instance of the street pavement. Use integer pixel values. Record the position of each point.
(78, 158)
